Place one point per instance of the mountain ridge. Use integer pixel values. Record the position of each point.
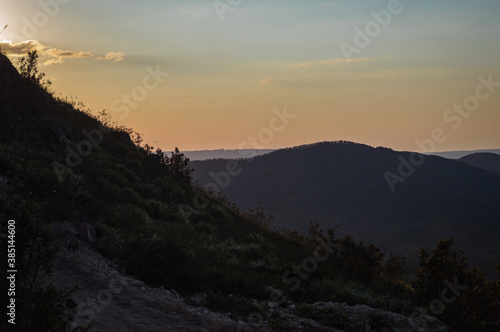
(484, 160)
(351, 175)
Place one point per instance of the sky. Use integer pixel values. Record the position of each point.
(202, 74)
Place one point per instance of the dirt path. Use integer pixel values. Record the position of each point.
(110, 301)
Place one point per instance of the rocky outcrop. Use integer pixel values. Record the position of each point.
(86, 232)
(111, 301)
(365, 318)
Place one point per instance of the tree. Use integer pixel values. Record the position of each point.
(443, 264)
(28, 68)
(393, 267)
(462, 297)
(178, 164)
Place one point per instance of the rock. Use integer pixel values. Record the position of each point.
(273, 304)
(199, 299)
(365, 318)
(175, 293)
(86, 232)
(137, 283)
(136, 307)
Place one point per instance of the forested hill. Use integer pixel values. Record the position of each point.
(487, 161)
(393, 199)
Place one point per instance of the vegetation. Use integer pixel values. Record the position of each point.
(28, 68)
(456, 293)
(62, 163)
(39, 305)
(343, 183)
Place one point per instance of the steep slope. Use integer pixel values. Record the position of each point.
(487, 161)
(62, 164)
(343, 183)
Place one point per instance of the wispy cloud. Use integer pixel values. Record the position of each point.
(21, 48)
(266, 81)
(337, 61)
(114, 56)
(53, 55)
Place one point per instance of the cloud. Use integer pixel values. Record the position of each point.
(58, 56)
(337, 61)
(304, 65)
(114, 56)
(53, 61)
(341, 61)
(52, 55)
(20, 49)
(266, 81)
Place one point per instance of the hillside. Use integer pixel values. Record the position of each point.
(343, 183)
(61, 164)
(111, 235)
(487, 161)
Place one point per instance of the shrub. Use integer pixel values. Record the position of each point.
(28, 68)
(460, 296)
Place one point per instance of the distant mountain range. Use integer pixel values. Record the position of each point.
(225, 154)
(248, 153)
(460, 154)
(343, 183)
(487, 161)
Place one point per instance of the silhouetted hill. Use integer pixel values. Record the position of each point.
(487, 161)
(460, 154)
(225, 154)
(343, 183)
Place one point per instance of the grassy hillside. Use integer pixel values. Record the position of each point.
(60, 162)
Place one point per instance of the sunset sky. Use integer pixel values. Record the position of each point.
(232, 62)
